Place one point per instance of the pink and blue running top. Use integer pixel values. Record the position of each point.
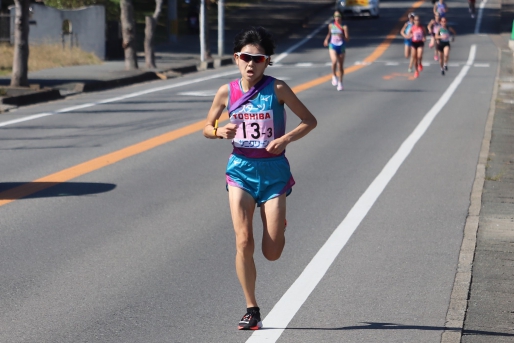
(260, 120)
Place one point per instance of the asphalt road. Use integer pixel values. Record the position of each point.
(139, 248)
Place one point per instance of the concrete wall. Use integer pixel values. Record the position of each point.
(87, 23)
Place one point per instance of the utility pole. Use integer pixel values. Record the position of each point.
(172, 21)
(221, 27)
(203, 21)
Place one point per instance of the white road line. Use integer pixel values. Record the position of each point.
(286, 308)
(392, 63)
(302, 42)
(162, 88)
(199, 93)
(479, 17)
(307, 64)
(481, 65)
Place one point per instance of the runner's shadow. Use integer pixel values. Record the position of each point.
(393, 326)
(32, 190)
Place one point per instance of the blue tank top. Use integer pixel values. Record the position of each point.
(408, 27)
(441, 9)
(260, 120)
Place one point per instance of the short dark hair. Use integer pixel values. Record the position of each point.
(255, 36)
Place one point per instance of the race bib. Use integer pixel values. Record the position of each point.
(254, 129)
(417, 36)
(336, 40)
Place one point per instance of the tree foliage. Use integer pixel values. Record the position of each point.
(112, 7)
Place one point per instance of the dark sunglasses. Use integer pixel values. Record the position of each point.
(257, 58)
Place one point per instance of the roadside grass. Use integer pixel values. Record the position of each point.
(47, 56)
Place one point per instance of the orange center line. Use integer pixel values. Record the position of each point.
(68, 174)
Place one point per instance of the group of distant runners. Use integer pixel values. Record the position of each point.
(441, 34)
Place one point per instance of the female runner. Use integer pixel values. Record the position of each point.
(443, 44)
(338, 34)
(407, 41)
(433, 28)
(417, 34)
(257, 172)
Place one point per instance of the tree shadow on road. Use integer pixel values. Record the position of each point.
(34, 190)
(394, 326)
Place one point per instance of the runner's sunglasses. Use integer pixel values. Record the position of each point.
(257, 58)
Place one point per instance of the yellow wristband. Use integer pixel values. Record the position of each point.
(216, 129)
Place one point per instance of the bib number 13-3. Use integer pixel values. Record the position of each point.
(255, 130)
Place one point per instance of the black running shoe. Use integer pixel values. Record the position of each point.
(445, 67)
(251, 321)
(442, 72)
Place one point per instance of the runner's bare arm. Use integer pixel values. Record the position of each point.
(285, 95)
(346, 34)
(218, 105)
(325, 42)
(430, 24)
(453, 33)
(402, 32)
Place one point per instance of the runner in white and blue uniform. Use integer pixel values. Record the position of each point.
(257, 173)
(408, 41)
(338, 36)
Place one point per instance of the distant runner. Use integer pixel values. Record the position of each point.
(433, 28)
(443, 44)
(257, 173)
(338, 35)
(440, 8)
(407, 41)
(417, 34)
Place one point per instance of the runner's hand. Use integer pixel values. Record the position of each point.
(276, 146)
(228, 131)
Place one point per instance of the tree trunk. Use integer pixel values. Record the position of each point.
(151, 23)
(128, 30)
(20, 65)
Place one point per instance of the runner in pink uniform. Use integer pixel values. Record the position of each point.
(417, 34)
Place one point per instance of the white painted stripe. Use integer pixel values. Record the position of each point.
(286, 308)
(308, 64)
(479, 17)
(453, 64)
(481, 65)
(162, 88)
(392, 63)
(199, 93)
(303, 41)
(425, 64)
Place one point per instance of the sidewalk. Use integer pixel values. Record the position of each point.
(281, 17)
(490, 307)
